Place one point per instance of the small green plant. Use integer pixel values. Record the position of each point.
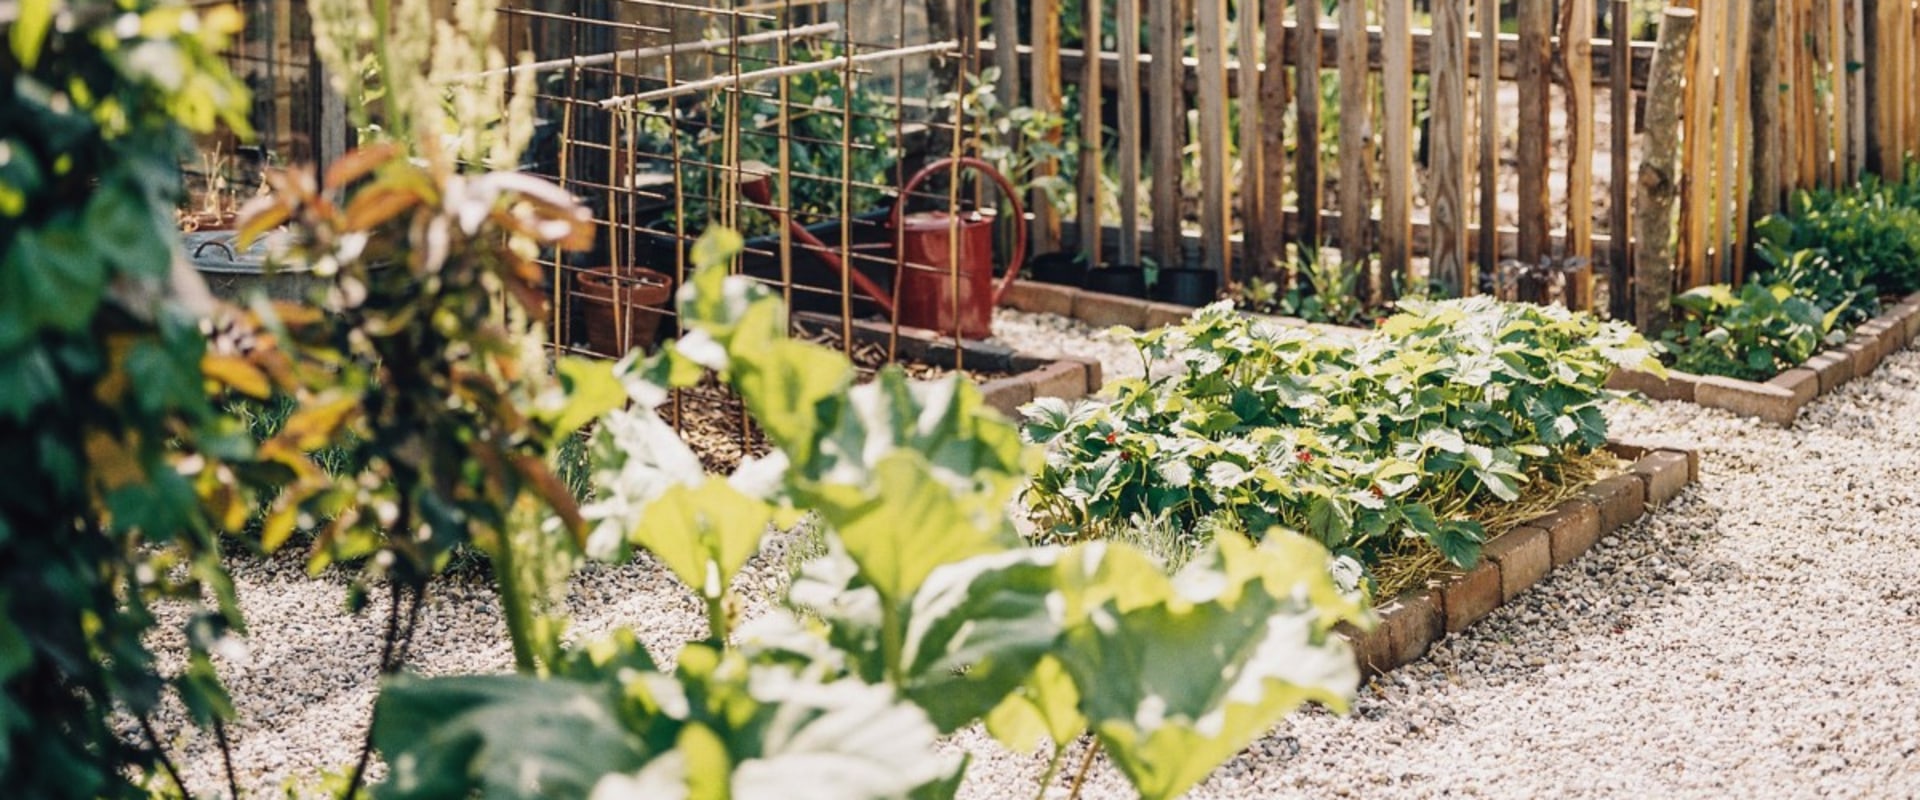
(924, 614)
(1323, 291)
(1448, 406)
(1870, 235)
(1778, 320)
(1016, 140)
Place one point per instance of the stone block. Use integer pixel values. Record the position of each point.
(1665, 473)
(1040, 298)
(1619, 499)
(1092, 368)
(1467, 596)
(1107, 310)
(1571, 528)
(1064, 379)
(1865, 355)
(1760, 400)
(1676, 386)
(1834, 368)
(1412, 622)
(1803, 382)
(1007, 394)
(1160, 315)
(1525, 556)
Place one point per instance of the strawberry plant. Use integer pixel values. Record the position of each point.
(1446, 407)
(925, 615)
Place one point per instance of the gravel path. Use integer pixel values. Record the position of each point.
(1760, 636)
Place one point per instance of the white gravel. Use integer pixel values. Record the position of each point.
(1758, 637)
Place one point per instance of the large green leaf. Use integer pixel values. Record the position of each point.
(975, 630)
(501, 736)
(704, 534)
(907, 526)
(1236, 640)
(1045, 707)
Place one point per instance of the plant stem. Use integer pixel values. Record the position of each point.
(393, 653)
(717, 618)
(1053, 768)
(160, 754)
(514, 604)
(226, 757)
(1080, 776)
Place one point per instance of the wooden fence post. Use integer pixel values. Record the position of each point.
(1536, 28)
(1488, 19)
(1577, 46)
(1216, 213)
(1273, 142)
(1620, 214)
(1045, 65)
(1129, 144)
(1168, 125)
(1255, 237)
(1659, 185)
(1763, 105)
(1447, 173)
(1308, 185)
(1356, 140)
(1092, 139)
(1396, 201)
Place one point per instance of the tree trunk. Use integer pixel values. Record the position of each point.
(1659, 178)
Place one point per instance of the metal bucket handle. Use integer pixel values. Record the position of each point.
(1006, 187)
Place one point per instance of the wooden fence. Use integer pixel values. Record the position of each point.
(1780, 95)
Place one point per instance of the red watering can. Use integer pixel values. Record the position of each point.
(943, 287)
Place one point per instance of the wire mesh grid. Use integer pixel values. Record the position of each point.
(795, 122)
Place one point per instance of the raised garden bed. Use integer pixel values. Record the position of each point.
(1104, 310)
(1414, 620)
(714, 423)
(1780, 399)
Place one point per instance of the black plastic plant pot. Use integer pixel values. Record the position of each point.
(1120, 280)
(1187, 287)
(1064, 269)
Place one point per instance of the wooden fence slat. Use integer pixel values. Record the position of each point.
(1309, 185)
(1839, 50)
(1396, 209)
(1092, 139)
(1356, 140)
(1489, 243)
(1252, 191)
(1273, 142)
(1763, 108)
(1216, 216)
(1129, 134)
(1620, 182)
(1857, 89)
(1696, 166)
(1447, 149)
(1536, 33)
(1659, 183)
(1044, 234)
(1820, 36)
(1577, 45)
(1729, 223)
(1006, 33)
(1168, 125)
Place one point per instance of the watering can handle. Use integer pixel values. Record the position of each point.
(1006, 187)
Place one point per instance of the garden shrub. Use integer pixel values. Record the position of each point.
(1448, 406)
(1870, 233)
(1776, 321)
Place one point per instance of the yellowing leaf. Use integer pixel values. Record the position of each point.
(314, 426)
(113, 464)
(238, 373)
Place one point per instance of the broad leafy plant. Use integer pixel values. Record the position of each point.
(1446, 407)
(1869, 234)
(1776, 321)
(120, 471)
(925, 615)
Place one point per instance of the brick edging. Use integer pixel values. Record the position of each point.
(1065, 377)
(1412, 622)
(1103, 310)
(1779, 400)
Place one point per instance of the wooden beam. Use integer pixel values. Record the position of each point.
(1447, 149)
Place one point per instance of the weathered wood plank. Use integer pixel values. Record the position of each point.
(1128, 146)
(1447, 149)
(1396, 201)
(1763, 108)
(1488, 18)
(1619, 220)
(1536, 34)
(1006, 30)
(1696, 165)
(1356, 141)
(1273, 142)
(1309, 186)
(1577, 34)
(1092, 138)
(1167, 127)
(1210, 31)
(1252, 190)
(1044, 232)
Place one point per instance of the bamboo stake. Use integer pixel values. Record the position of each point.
(1447, 179)
(1660, 186)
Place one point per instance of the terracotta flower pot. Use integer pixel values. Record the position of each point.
(621, 310)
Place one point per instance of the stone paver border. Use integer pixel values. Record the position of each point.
(1065, 377)
(1412, 622)
(1779, 400)
(1107, 310)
